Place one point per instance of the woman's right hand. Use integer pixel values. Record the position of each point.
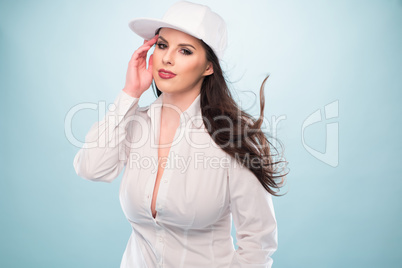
(139, 78)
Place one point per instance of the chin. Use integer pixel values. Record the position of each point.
(167, 90)
(165, 86)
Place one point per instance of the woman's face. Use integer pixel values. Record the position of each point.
(179, 62)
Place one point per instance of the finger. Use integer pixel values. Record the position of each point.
(147, 45)
(152, 40)
(150, 63)
(141, 52)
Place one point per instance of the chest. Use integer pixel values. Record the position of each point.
(166, 138)
(192, 190)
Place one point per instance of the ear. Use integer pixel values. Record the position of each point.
(209, 70)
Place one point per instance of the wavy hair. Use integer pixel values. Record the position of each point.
(246, 142)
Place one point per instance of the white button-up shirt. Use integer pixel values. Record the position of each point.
(201, 190)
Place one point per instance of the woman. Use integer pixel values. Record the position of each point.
(193, 159)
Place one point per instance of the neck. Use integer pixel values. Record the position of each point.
(176, 103)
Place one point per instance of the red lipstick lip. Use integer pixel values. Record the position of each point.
(166, 71)
(165, 74)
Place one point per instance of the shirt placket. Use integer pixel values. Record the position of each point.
(160, 201)
(160, 244)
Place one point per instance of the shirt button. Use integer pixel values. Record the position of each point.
(165, 181)
(161, 239)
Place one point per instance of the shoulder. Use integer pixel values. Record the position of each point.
(143, 112)
(143, 109)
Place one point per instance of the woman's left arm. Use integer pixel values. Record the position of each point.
(254, 219)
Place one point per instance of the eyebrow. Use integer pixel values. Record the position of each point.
(182, 45)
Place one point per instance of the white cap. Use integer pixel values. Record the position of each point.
(194, 19)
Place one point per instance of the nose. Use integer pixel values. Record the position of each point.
(168, 57)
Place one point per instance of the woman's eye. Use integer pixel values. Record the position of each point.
(161, 46)
(183, 51)
(186, 51)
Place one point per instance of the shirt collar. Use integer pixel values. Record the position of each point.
(192, 113)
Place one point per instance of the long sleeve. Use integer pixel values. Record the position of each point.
(103, 154)
(254, 219)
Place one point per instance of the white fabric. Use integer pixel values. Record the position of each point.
(192, 18)
(199, 194)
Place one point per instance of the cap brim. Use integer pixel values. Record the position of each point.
(146, 28)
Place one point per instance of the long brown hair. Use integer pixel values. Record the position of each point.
(254, 150)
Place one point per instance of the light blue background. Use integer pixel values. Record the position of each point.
(57, 54)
